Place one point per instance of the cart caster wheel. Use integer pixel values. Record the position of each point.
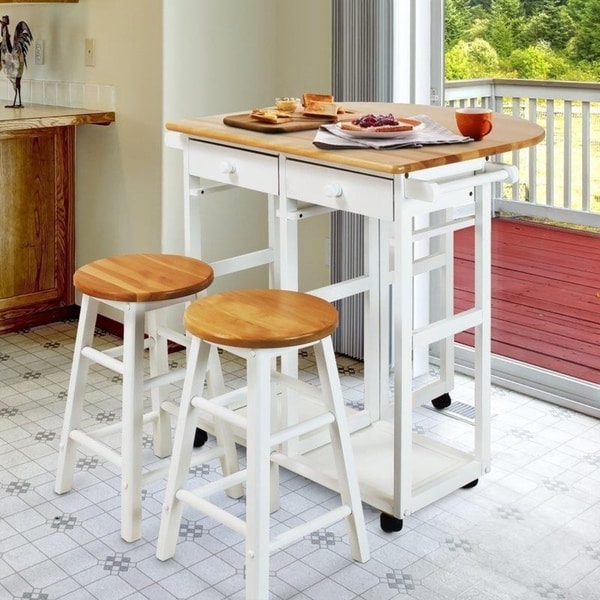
(389, 524)
(470, 485)
(200, 438)
(442, 401)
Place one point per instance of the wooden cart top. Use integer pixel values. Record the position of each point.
(509, 133)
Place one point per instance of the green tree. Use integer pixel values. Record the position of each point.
(537, 62)
(505, 26)
(457, 21)
(552, 24)
(474, 59)
(541, 39)
(532, 7)
(585, 44)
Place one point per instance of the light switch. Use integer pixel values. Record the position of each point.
(90, 52)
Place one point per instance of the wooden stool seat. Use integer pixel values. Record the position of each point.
(139, 286)
(260, 326)
(261, 318)
(143, 277)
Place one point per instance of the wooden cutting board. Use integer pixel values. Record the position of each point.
(245, 121)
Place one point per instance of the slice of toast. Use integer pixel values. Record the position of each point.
(402, 124)
(380, 129)
(266, 115)
(317, 108)
(309, 97)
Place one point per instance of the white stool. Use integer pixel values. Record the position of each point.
(138, 285)
(259, 326)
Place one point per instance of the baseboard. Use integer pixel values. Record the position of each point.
(23, 319)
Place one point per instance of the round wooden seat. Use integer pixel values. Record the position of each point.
(261, 318)
(143, 277)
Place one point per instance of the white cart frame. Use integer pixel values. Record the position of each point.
(399, 472)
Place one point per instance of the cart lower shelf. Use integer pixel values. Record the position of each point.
(436, 469)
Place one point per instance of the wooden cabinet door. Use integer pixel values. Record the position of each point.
(36, 226)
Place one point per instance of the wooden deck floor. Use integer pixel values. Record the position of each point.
(545, 295)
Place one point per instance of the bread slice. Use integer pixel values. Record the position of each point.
(309, 97)
(402, 124)
(381, 129)
(266, 115)
(317, 108)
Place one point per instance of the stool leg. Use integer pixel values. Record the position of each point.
(342, 450)
(132, 419)
(198, 357)
(258, 450)
(215, 381)
(279, 418)
(67, 452)
(158, 355)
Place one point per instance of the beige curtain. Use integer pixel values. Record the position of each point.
(362, 72)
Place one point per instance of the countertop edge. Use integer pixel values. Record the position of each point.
(39, 117)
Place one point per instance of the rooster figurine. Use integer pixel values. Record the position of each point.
(14, 54)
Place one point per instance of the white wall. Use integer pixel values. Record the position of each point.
(119, 171)
(231, 56)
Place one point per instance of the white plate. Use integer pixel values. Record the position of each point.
(378, 134)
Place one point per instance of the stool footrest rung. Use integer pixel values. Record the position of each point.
(306, 426)
(107, 360)
(306, 389)
(208, 489)
(99, 448)
(115, 428)
(220, 412)
(212, 510)
(156, 473)
(104, 359)
(230, 397)
(206, 455)
(165, 379)
(118, 350)
(171, 407)
(321, 522)
(174, 336)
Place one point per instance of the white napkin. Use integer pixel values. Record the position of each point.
(330, 136)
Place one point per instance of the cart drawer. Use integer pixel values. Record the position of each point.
(243, 168)
(353, 192)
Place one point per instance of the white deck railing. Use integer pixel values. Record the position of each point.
(560, 177)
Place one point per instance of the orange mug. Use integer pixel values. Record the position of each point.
(474, 122)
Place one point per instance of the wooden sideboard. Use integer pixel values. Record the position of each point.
(37, 166)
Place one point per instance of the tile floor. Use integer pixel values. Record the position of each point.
(529, 530)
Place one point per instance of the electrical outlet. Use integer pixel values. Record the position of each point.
(90, 52)
(39, 52)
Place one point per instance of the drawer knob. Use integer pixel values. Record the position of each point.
(333, 190)
(227, 167)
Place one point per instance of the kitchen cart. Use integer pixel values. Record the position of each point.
(412, 200)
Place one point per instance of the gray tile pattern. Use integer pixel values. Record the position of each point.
(529, 530)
